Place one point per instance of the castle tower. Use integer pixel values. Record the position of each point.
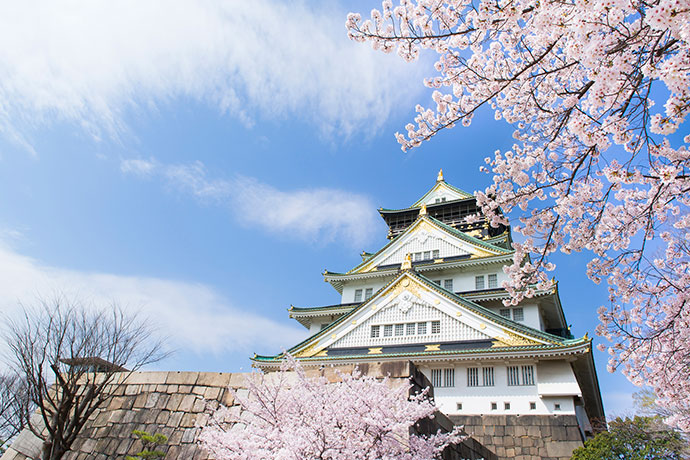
(433, 295)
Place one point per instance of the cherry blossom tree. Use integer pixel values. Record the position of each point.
(596, 164)
(287, 415)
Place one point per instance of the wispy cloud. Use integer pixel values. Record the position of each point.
(88, 63)
(313, 214)
(194, 316)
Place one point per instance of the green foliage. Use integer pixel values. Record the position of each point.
(639, 438)
(150, 441)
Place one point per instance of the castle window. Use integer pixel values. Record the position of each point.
(506, 405)
(388, 330)
(399, 329)
(410, 328)
(518, 314)
(448, 285)
(494, 406)
(513, 376)
(449, 377)
(493, 280)
(358, 295)
(435, 254)
(528, 375)
(443, 378)
(436, 327)
(488, 376)
(436, 375)
(375, 331)
(479, 282)
(427, 255)
(532, 405)
(472, 376)
(556, 406)
(367, 293)
(421, 328)
(458, 406)
(505, 312)
(437, 282)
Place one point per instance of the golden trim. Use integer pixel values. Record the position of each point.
(321, 353)
(354, 321)
(482, 326)
(436, 347)
(458, 313)
(375, 351)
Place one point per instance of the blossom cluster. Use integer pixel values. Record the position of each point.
(288, 415)
(596, 165)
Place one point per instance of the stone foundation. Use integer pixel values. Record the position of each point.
(524, 437)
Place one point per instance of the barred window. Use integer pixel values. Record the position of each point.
(472, 376)
(449, 377)
(436, 377)
(518, 314)
(436, 327)
(358, 295)
(528, 375)
(513, 375)
(437, 282)
(421, 328)
(479, 282)
(388, 330)
(448, 285)
(506, 405)
(375, 331)
(411, 327)
(494, 406)
(427, 255)
(488, 376)
(436, 254)
(368, 293)
(493, 280)
(399, 329)
(505, 312)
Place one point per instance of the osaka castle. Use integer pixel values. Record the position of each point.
(433, 295)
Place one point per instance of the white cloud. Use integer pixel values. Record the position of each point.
(90, 62)
(194, 316)
(137, 166)
(315, 214)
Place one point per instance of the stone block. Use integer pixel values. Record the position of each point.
(174, 402)
(187, 403)
(146, 378)
(182, 378)
(212, 392)
(238, 380)
(562, 448)
(214, 379)
(140, 400)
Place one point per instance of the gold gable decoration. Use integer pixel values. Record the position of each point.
(512, 340)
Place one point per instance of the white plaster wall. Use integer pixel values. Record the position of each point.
(348, 295)
(556, 378)
(477, 400)
(531, 313)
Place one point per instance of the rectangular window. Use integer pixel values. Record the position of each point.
(375, 331)
(358, 295)
(458, 406)
(368, 293)
(437, 282)
(421, 328)
(472, 376)
(388, 330)
(436, 327)
(417, 256)
(488, 376)
(493, 281)
(494, 406)
(448, 285)
(556, 406)
(410, 328)
(528, 375)
(436, 376)
(532, 405)
(435, 254)
(513, 376)
(399, 329)
(479, 282)
(505, 312)
(506, 405)
(427, 255)
(448, 378)
(518, 314)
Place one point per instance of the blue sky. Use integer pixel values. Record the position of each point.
(203, 163)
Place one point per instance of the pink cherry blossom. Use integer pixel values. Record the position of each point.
(596, 166)
(287, 415)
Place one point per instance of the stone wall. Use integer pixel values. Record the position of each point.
(524, 437)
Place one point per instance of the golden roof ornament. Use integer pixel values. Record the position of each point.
(422, 212)
(407, 263)
(439, 178)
